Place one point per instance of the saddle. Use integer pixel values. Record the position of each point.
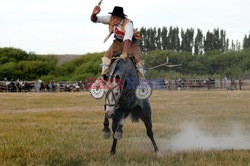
(114, 61)
(116, 55)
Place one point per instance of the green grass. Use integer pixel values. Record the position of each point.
(66, 128)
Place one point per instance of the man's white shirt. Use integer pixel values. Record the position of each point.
(129, 30)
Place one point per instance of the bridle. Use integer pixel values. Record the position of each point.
(111, 90)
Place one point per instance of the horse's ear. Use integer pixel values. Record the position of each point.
(105, 77)
(117, 77)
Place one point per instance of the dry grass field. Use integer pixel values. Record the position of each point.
(190, 127)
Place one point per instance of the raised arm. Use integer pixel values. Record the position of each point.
(96, 10)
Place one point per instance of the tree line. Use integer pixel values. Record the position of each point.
(179, 45)
(18, 64)
(215, 64)
(197, 42)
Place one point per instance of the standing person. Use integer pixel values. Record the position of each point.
(125, 38)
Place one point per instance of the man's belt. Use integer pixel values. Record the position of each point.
(119, 40)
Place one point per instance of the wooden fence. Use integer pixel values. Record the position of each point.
(180, 84)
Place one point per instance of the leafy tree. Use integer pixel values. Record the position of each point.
(216, 40)
(32, 70)
(223, 41)
(208, 43)
(152, 39)
(233, 46)
(196, 67)
(246, 42)
(80, 68)
(171, 38)
(142, 43)
(198, 43)
(18, 64)
(164, 34)
(187, 40)
(8, 70)
(8, 54)
(176, 39)
(158, 39)
(234, 72)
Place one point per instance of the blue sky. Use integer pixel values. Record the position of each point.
(64, 27)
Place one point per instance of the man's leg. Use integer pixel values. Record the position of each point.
(105, 64)
(116, 47)
(140, 69)
(137, 53)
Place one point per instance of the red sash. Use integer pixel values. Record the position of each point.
(117, 32)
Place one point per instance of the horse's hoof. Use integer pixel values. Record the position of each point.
(158, 154)
(118, 135)
(112, 153)
(106, 134)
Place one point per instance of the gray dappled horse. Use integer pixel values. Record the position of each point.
(120, 102)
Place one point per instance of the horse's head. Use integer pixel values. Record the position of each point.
(114, 88)
(115, 84)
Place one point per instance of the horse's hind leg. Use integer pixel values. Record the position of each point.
(106, 131)
(151, 135)
(148, 124)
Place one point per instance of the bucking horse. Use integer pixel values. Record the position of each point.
(121, 101)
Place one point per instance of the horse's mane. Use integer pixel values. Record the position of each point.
(122, 67)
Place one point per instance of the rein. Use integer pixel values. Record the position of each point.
(112, 92)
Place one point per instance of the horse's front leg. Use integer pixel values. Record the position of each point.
(117, 128)
(114, 126)
(106, 131)
(117, 125)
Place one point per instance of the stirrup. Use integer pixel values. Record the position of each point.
(97, 89)
(143, 91)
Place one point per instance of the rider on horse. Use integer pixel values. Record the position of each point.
(125, 38)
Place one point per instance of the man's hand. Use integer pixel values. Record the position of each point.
(96, 10)
(124, 55)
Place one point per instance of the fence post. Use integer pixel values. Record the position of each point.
(240, 84)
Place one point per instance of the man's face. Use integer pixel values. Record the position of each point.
(116, 20)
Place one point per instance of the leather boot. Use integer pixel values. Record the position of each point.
(140, 69)
(105, 64)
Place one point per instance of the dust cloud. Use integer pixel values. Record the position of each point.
(192, 138)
